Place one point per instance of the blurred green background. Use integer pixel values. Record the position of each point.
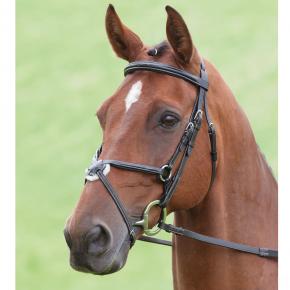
(66, 68)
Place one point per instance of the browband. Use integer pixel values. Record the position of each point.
(166, 69)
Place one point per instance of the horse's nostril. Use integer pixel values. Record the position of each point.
(98, 240)
(67, 238)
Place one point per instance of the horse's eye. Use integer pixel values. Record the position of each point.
(168, 121)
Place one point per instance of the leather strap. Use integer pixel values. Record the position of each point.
(155, 241)
(166, 69)
(135, 167)
(262, 252)
(173, 182)
(119, 205)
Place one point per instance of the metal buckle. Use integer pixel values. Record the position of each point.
(211, 129)
(199, 112)
(197, 119)
(165, 169)
(145, 221)
(189, 127)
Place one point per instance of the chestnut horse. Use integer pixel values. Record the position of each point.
(142, 123)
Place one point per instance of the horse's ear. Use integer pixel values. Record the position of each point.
(125, 43)
(179, 36)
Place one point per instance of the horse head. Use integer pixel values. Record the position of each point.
(142, 123)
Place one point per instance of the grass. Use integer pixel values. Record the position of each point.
(65, 69)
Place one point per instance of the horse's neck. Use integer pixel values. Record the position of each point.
(245, 188)
(241, 207)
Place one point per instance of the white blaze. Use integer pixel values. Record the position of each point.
(133, 95)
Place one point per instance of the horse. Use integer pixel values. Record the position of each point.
(150, 117)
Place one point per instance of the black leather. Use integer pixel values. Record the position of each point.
(155, 241)
(134, 166)
(119, 205)
(166, 69)
(262, 252)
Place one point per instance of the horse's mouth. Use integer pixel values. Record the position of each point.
(95, 269)
(108, 263)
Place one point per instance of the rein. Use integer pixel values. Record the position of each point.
(169, 179)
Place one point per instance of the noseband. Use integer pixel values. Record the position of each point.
(165, 173)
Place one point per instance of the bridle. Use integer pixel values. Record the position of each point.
(165, 173)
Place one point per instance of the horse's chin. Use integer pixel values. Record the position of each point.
(108, 263)
(116, 264)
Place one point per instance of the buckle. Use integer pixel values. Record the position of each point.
(166, 172)
(197, 119)
(198, 114)
(189, 127)
(211, 128)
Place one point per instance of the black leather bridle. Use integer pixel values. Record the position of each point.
(167, 177)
